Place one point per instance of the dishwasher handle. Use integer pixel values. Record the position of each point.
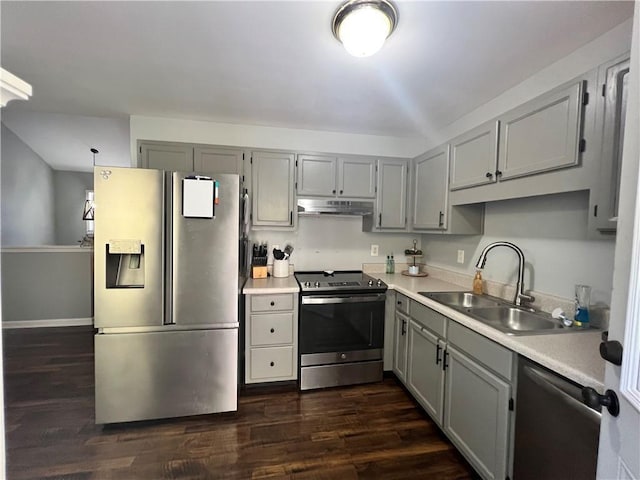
(595, 400)
(555, 387)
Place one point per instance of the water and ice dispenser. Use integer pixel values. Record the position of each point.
(125, 264)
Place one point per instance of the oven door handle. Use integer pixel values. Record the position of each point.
(320, 300)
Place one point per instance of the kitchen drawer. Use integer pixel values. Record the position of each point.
(270, 303)
(402, 303)
(271, 363)
(429, 318)
(271, 329)
(494, 356)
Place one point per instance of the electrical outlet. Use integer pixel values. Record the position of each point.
(460, 256)
(374, 250)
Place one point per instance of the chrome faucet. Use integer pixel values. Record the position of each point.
(520, 295)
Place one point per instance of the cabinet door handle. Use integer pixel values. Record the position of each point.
(271, 364)
(498, 173)
(489, 175)
(341, 192)
(272, 330)
(441, 219)
(404, 327)
(438, 350)
(611, 351)
(444, 361)
(291, 217)
(272, 303)
(380, 219)
(333, 191)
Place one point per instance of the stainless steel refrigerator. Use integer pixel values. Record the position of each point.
(166, 294)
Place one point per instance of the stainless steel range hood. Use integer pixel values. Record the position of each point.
(321, 206)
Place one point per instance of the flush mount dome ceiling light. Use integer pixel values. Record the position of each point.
(363, 25)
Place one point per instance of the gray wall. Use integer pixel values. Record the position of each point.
(46, 285)
(27, 194)
(552, 232)
(70, 188)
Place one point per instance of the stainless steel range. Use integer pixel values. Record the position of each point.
(341, 328)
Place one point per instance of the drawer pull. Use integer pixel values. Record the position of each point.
(272, 303)
(272, 330)
(272, 364)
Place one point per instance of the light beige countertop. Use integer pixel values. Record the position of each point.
(573, 355)
(271, 285)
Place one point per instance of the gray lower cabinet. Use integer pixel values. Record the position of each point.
(463, 380)
(425, 375)
(477, 414)
(400, 346)
(271, 337)
(272, 182)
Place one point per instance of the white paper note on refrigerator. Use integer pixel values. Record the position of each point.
(197, 198)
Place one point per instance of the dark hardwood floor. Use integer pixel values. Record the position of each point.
(374, 431)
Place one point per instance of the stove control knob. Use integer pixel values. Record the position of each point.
(307, 284)
(379, 283)
(371, 283)
(317, 284)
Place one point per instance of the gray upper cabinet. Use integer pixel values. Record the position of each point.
(217, 160)
(187, 157)
(272, 182)
(541, 135)
(330, 176)
(357, 177)
(166, 156)
(474, 157)
(317, 175)
(430, 188)
(391, 207)
(611, 119)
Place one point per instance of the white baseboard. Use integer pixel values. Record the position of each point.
(53, 322)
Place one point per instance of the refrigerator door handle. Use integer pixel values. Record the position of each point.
(168, 248)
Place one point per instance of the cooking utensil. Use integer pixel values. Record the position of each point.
(288, 250)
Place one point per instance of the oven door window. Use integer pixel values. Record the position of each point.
(335, 327)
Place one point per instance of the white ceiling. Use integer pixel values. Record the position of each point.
(276, 63)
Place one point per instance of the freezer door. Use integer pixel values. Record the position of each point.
(204, 287)
(142, 376)
(128, 247)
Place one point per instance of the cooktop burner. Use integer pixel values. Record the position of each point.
(338, 281)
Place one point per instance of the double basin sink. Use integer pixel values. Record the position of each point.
(503, 316)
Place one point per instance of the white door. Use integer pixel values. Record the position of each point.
(619, 450)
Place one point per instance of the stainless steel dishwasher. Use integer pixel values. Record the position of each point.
(556, 435)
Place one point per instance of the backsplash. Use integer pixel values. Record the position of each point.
(335, 243)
